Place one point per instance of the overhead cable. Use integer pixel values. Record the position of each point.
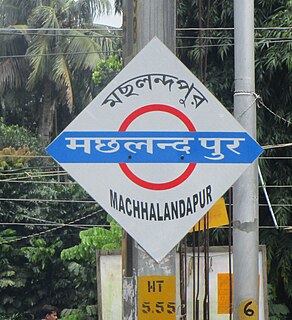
(50, 230)
(107, 28)
(47, 200)
(105, 52)
(93, 201)
(75, 183)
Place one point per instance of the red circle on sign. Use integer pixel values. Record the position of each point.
(151, 185)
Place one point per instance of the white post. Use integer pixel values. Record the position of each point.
(245, 213)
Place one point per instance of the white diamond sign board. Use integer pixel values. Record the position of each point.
(155, 149)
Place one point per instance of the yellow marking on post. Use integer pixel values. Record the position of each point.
(156, 298)
(248, 310)
(224, 293)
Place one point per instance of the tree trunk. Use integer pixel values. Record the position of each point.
(47, 111)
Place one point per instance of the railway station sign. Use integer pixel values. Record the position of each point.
(155, 149)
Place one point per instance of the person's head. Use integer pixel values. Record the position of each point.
(49, 312)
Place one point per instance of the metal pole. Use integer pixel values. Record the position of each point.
(142, 21)
(245, 233)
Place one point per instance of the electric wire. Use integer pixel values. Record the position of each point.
(50, 230)
(75, 183)
(93, 201)
(62, 29)
(96, 36)
(39, 219)
(232, 29)
(33, 157)
(257, 39)
(107, 28)
(270, 146)
(48, 200)
(106, 225)
(282, 145)
(105, 52)
(267, 40)
(262, 104)
(38, 176)
(52, 224)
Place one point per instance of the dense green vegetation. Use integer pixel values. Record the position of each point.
(36, 231)
(47, 252)
(50, 71)
(214, 65)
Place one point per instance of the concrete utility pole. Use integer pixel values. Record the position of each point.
(142, 20)
(245, 234)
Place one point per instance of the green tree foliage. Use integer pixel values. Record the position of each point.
(94, 239)
(18, 137)
(48, 61)
(62, 82)
(209, 55)
(81, 258)
(118, 6)
(82, 264)
(106, 70)
(25, 273)
(30, 264)
(276, 311)
(274, 76)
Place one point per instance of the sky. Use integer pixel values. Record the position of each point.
(110, 20)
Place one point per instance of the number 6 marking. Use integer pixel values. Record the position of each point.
(248, 311)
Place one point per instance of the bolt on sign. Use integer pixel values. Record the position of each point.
(155, 149)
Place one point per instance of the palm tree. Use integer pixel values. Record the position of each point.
(57, 45)
(118, 6)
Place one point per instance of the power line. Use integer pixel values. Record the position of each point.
(232, 29)
(282, 145)
(63, 29)
(61, 35)
(262, 104)
(107, 225)
(93, 201)
(121, 29)
(231, 44)
(258, 39)
(268, 28)
(47, 200)
(9, 33)
(28, 171)
(50, 224)
(50, 230)
(45, 222)
(105, 52)
(78, 226)
(33, 157)
(51, 175)
(274, 158)
(120, 37)
(24, 156)
(41, 182)
(21, 178)
(75, 183)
